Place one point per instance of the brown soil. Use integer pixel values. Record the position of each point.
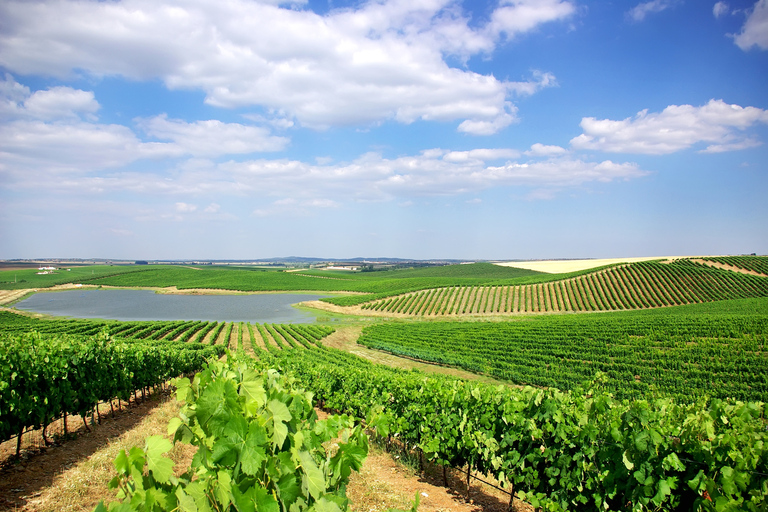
(345, 338)
(8, 296)
(74, 475)
(723, 266)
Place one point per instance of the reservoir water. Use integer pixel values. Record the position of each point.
(129, 305)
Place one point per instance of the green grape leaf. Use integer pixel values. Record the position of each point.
(161, 467)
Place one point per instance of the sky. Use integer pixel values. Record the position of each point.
(499, 130)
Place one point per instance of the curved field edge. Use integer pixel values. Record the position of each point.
(614, 288)
(693, 351)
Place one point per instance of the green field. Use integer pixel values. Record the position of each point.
(649, 379)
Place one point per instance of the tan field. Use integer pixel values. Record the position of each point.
(562, 266)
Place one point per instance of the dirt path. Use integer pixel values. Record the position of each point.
(345, 338)
(74, 476)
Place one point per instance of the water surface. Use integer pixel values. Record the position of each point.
(129, 305)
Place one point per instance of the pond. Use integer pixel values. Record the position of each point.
(130, 305)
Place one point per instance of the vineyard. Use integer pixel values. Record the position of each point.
(641, 355)
(578, 450)
(655, 401)
(626, 287)
(49, 368)
(752, 263)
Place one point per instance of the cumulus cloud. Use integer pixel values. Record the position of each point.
(514, 17)
(677, 127)
(48, 149)
(539, 149)
(212, 137)
(755, 29)
(55, 103)
(720, 9)
(641, 10)
(382, 60)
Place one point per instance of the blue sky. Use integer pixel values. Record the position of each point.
(516, 129)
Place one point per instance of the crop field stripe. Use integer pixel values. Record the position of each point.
(468, 296)
(486, 305)
(398, 303)
(477, 305)
(682, 285)
(269, 343)
(276, 338)
(450, 306)
(434, 301)
(482, 298)
(416, 303)
(504, 299)
(584, 291)
(576, 294)
(627, 299)
(659, 286)
(494, 304)
(547, 297)
(575, 300)
(403, 306)
(285, 335)
(597, 300)
(667, 285)
(419, 302)
(256, 347)
(554, 299)
(637, 295)
(599, 294)
(648, 288)
(455, 300)
(621, 298)
(663, 283)
(608, 290)
(470, 304)
(645, 289)
(430, 300)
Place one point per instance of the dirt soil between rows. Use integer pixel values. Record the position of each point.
(73, 475)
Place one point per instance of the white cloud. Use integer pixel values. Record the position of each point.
(515, 17)
(676, 128)
(755, 29)
(494, 125)
(641, 10)
(478, 155)
(540, 81)
(382, 60)
(290, 186)
(374, 178)
(60, 102)
(185, 207)
(720, 9)
(47, 149)
(539, 149)
(56, 103)
(212, 137)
